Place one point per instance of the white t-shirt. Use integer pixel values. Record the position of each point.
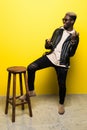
(54, 57)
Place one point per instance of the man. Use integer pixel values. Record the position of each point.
(62, 45)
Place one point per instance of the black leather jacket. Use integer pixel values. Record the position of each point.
(68, 48)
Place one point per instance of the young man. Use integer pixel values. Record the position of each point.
(62, 45)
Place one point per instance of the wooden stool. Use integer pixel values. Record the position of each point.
(20, 70)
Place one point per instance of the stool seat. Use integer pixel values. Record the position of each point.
(21, 71)
(17, 69)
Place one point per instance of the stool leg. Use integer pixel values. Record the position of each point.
(21, 88)
(14, 98)
(27, 94)
(8, 92)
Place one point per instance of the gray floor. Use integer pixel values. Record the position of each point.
(45, 114)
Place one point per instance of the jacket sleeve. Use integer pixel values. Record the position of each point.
(73, 46)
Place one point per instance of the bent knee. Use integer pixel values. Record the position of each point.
(32, 67)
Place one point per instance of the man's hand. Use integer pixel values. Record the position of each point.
(73, 37)
(48, 44)
(48, 41)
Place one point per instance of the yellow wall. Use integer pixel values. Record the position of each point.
(24, 26)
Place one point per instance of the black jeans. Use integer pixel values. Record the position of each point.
(44, 62)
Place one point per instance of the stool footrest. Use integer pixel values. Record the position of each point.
(17, 104)
(11, 98)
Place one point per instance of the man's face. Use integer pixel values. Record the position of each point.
(67, 22)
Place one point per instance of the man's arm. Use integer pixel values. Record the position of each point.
(49, 43)
(74, 43)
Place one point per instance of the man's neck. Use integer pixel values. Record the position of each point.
(69, 29)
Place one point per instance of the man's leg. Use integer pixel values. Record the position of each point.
(61, 74)
(41, 63)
